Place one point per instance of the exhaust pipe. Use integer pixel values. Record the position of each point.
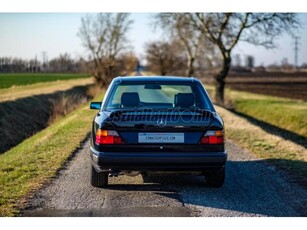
(114, 174)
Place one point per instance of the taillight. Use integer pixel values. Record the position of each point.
(213, 137)
(108, 137)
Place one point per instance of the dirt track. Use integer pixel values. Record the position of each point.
(252, 188)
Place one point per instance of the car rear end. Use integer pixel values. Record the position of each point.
(149, 125)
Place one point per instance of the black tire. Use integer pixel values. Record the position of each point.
(99, 179)
(216, 179)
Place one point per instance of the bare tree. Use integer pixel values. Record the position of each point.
(105, 37)
(177, 25)
(64, 64)
(128, 62)
(163, 57)
(9, 64)
(225, 30)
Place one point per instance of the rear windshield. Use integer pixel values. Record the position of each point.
(154, 95)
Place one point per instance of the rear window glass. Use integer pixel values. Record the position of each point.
(154, 95)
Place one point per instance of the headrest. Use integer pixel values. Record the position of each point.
(130, 99)
(184, 100)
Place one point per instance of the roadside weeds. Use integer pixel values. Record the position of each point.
(33, 162)
(287, 152)
(282, 153)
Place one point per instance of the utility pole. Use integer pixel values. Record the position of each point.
(296, 49)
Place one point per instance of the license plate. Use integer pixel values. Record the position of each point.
(161, 137)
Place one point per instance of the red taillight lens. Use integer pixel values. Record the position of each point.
(213, 137)
(108, 137)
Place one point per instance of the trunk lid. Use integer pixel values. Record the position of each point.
(184, 126)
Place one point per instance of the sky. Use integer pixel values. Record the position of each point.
(26, 35)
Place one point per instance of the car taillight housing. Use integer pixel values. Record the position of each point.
(108, 137)
(213, 137)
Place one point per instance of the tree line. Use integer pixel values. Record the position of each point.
(194, 41)
(61, 64)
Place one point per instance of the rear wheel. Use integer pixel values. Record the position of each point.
(216, 179)
(99, 179)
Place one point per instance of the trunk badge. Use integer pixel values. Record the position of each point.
(161, 123)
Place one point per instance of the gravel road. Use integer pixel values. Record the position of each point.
(252, 188)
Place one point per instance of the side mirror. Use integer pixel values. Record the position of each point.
(95, 105)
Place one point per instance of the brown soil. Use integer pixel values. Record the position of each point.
(289, 85)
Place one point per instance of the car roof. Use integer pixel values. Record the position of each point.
(155, 79)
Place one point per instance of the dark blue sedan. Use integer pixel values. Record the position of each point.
(157, 124)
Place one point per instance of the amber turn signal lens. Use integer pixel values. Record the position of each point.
(213, 137)
(108, 137)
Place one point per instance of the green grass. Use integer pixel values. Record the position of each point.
(264, 147)
(9, 79)
(284, 113)
(27, 166)
(292, 160)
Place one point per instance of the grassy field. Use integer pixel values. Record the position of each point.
(22, 91)
(289, 152)
(273, 149)
(34, 113)
(287, 114)
(8, 80)
(284, 113)
(37, 159)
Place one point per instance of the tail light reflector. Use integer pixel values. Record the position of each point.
(213, 137)
(108, 137)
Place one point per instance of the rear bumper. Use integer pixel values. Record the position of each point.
(157, 161)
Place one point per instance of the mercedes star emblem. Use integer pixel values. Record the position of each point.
(161, 123)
